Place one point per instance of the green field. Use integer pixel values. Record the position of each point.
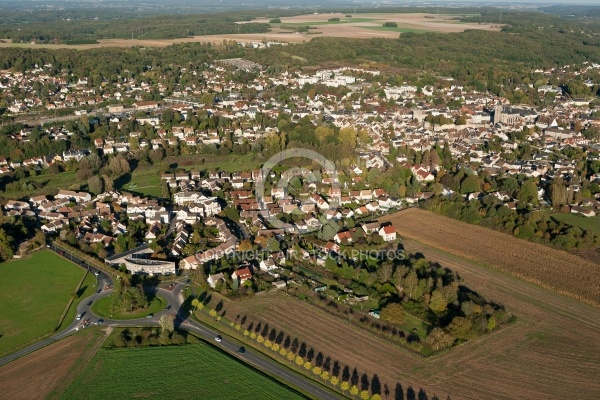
(102, 309)
(34, 292)
(591, 224)
(49, 184)
(341, 21)
(195, 371)
(396, 29)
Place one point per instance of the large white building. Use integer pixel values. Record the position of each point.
(209, 205)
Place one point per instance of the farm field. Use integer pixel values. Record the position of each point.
(48, 371)
(551, 351)
(34, 292)
(176, 372)
(556, 269)
(354, 27)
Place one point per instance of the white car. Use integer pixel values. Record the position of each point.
(79, 316)
(218, 338)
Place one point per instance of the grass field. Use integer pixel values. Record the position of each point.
(591, 224)
(102, 308)
(184, 372)
(50, 184)
(536, 263)
(34, 292)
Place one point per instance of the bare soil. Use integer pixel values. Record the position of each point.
(48, 370)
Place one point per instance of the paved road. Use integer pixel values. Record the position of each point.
(172, 294)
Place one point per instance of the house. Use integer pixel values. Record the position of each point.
(78, 197)
(279, 284)
(343, 236)
(583, 211)
(388, 233)
(213, 279)
(267, 265)
(242, 275)
(370, 227)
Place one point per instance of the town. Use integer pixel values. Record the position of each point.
(313, 229)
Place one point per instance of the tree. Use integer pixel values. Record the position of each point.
(335, 381)
(290, 356)
(438, 339)
(437, 303)
(95, 184)
(393, 313)
(345, 386)
(376, 397)
(470, 184)
(528, 193)
(460, 327)
(260, 339)
(212, 313)
(299, 361)
(246, 333)
(6, 251)
(325, 375)
(354, 390)
(307, 365)
(167, 323)
(364, 394)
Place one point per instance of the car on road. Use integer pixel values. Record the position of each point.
(241, 350)
(169, 307)
(218, 338)
(79, 316)
(90, 302)
(97, 273)
(99, 322)
(150, 316)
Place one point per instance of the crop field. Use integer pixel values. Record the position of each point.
(358, 26)
(175, 372)
(34, 292)
(551, 351)
(555, 269)
(48, 371)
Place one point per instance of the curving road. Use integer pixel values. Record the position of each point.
(172, 294)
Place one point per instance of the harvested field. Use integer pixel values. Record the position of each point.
(555, 269)
(552, 351)
(364, 26)
(47, 371)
